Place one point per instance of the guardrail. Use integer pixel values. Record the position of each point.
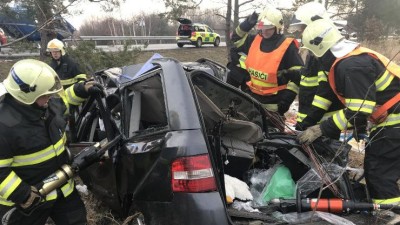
(105, 40)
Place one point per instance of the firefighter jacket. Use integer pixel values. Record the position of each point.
(317, 101)
(68, 71)
(237, 76)
(32, 144)
(362, 80)
(290, 60)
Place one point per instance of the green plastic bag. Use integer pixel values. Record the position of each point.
(281, 185)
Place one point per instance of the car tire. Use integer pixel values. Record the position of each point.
(180, 45)
(199, 42)
(216, 42)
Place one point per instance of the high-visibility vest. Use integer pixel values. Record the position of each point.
(390, 66)
(263, 67)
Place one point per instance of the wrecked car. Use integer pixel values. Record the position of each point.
(185, 132)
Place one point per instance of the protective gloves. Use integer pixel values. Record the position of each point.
(33, 199)
(290, 75)
(286, 98)
(94, 88)
(249, 23)
(252, 19)
(309, 135)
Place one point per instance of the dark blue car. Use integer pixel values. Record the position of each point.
(183, 128)
(19, 22)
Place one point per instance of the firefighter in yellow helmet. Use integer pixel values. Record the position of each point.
(271, 59)
(32, 139)
(66, 68)
(368, 85)
(316, 99)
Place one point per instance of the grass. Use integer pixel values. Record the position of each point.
(184, 54)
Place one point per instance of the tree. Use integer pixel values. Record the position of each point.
(45, 11)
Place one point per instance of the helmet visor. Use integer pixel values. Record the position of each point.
(53, 50)
(264, 26)
(57, 85)
(293, 28)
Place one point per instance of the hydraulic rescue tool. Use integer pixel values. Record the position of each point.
(82, 160)
(332, 205)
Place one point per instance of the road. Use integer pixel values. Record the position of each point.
(8, 52)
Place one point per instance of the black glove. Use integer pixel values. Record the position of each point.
(360, 123)
(94, 88)
(250, 22)
(360, 133)
(283, 108)
(34, 200)
(286, 97)
(291, 75)
(252, 19)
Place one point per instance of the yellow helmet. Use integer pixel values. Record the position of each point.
(56, 45)
(269, 18)
(305, 14)
(29, 79)
(319, 36)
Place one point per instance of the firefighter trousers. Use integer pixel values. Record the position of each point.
(382, 165)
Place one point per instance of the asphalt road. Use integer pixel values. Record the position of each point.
(8, 52)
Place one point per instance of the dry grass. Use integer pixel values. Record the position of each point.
(389, 48)
(184, 54)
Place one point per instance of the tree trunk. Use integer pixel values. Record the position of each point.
(228, 28)
(236, 14)
(44, 13)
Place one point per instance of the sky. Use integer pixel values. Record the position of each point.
(136, 7)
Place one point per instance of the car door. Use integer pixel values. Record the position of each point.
(203, 33)
(210, 34)
(96, 124)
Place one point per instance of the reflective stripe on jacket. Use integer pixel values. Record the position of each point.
(368, 107)
(263, 67)
(32, 146)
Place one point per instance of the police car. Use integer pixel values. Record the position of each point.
(195, 34)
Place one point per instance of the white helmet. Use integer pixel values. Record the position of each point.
(29, 79)
(269, 18)
(56, 45)
(305, 14)
(319, 36)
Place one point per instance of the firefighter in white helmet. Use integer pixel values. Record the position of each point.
(368, 85)
(32, 139)
(70, 73)
(316, 99)
(66, 68)
(270, 57)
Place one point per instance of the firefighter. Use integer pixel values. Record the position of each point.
(69, 72)
(368, 84)
(32, 138)
(66, 68)
(273, 60)
(316, 99)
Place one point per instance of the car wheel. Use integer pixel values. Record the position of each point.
(216, 42)
(180, 45)
(199, 43)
